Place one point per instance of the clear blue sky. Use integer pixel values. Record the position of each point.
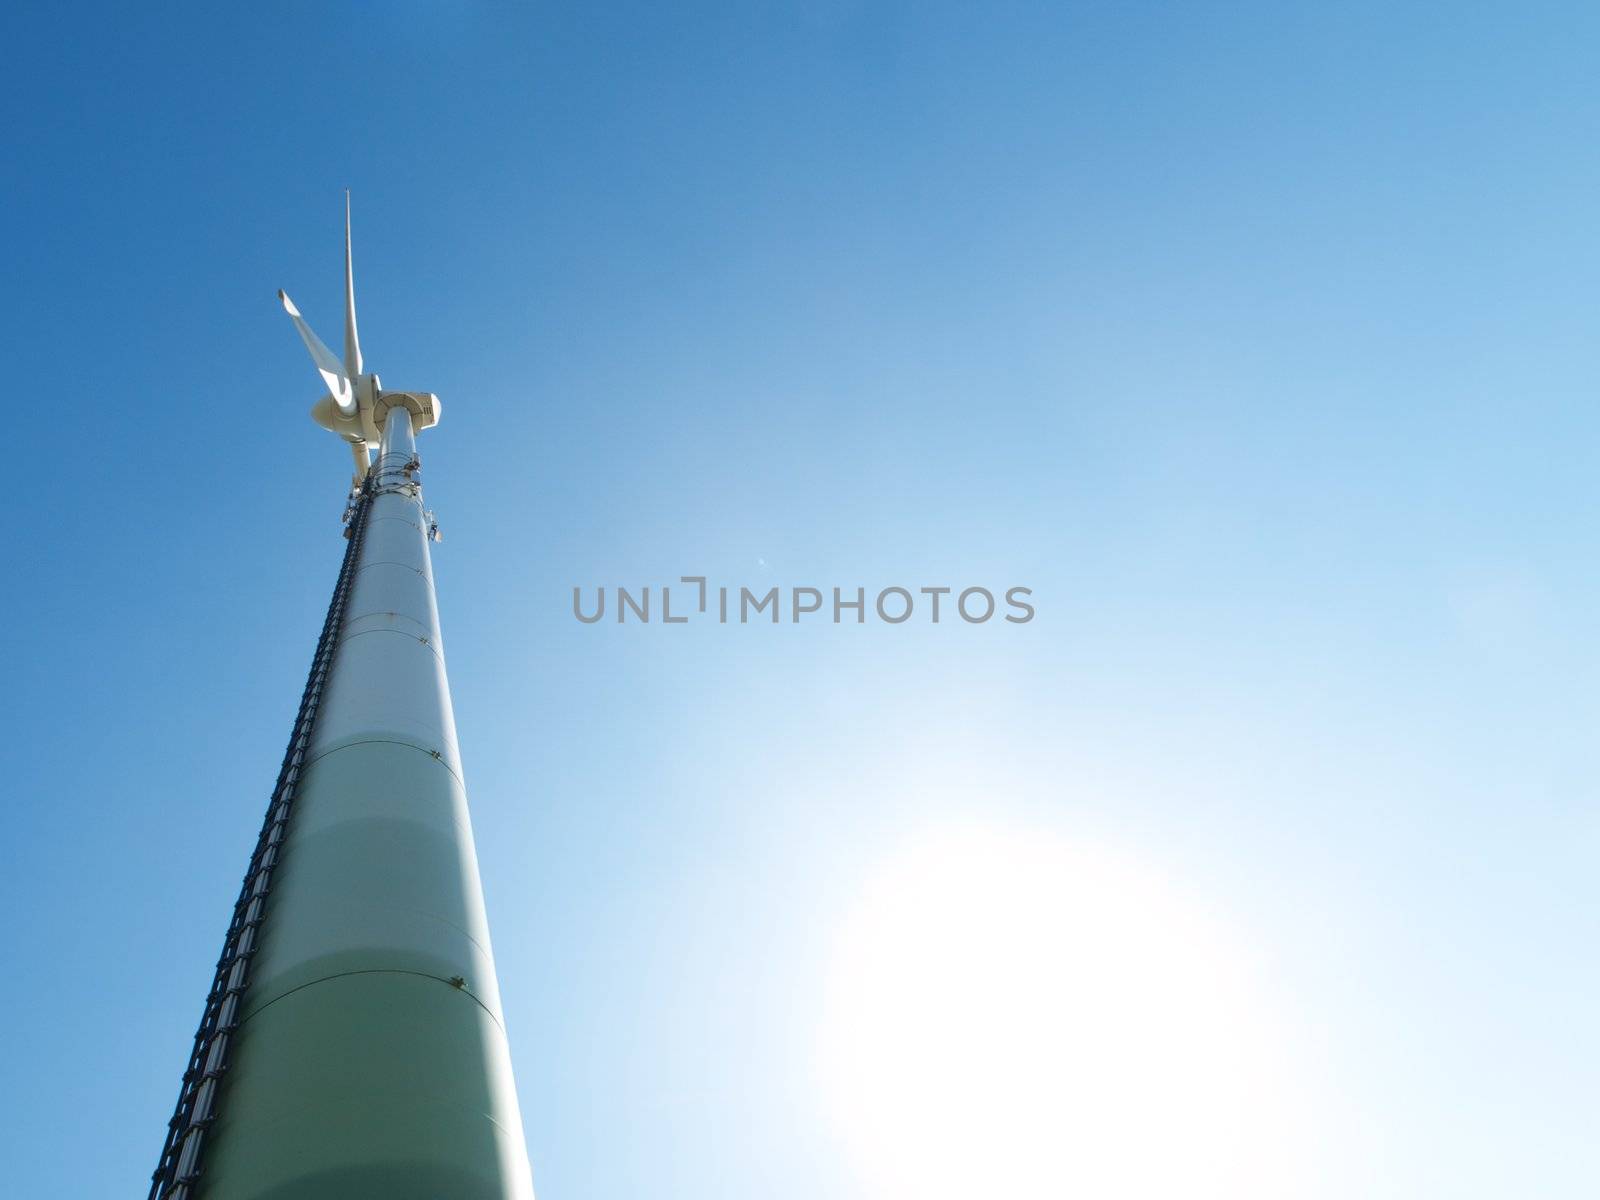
(1259, 340)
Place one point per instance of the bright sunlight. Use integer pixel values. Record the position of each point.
(1016, 1016)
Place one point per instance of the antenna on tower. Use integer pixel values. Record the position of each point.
(356, 403)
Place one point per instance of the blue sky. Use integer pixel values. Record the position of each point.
(1258, 342)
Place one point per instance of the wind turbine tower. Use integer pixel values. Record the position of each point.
(352, 1044)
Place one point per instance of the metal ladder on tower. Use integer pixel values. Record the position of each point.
(179, 1169)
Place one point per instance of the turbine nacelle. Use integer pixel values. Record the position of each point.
(356, 405)
(364, 423)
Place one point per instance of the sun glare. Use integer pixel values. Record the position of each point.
(1018, 1017)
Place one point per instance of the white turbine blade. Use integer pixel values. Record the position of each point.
(359, 451)
(352, 343)
(327, 365)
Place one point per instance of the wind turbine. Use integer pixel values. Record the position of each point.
(351, 408)
(353, 1043)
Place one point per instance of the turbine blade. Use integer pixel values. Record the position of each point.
(352, 343)
(359, 451)
(328, 367)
